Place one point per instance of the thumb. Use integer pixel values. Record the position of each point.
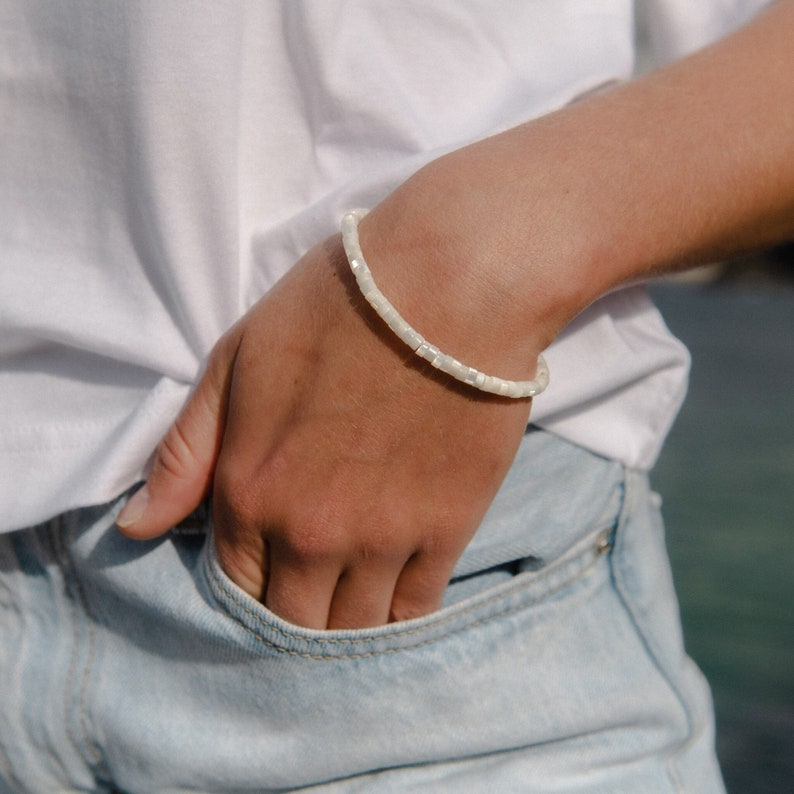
(181, 474)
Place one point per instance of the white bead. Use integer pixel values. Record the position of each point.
(396, 323)
(377, 299)
(366, 283)
(412, 338)
(456, 369)
(423, 351)
(431, 352)
(388, 314)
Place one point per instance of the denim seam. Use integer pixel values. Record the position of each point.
(54, 535)
(80, 600)
(595, 553)
(5, 769)
(637, 623)
(5, 765)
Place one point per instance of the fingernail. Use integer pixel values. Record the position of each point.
(134, 509)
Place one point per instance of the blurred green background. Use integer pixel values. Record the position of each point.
(726, 476)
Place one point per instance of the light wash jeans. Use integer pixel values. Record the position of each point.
(556, 664)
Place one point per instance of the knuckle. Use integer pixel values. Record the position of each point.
(387, 542)
(175, 455)
(447, 535)
(317, 532)
(239, 499)
(302, 530)
(307, 541)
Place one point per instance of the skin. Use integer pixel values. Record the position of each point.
(347, 476)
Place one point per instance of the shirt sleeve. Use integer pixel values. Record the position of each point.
(677, 28)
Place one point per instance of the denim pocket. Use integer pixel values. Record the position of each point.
(489, 602)
(542, 677)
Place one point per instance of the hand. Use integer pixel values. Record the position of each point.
(347, 476)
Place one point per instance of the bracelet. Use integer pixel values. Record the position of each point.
(441, 361)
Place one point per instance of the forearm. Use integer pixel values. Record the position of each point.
(513, 236)
(692, 163)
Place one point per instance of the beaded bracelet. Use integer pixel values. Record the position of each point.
(414, 340)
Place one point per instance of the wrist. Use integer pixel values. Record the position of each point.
(475, 267)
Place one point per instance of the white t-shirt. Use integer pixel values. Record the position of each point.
(162, 164)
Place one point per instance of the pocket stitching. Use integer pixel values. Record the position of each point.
(596, 553)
